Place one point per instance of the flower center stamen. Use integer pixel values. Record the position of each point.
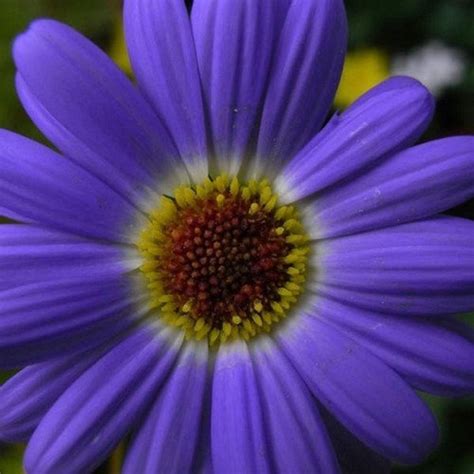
(223, 260)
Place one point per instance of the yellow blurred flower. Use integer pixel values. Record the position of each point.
(363, 69)
(118, 49)
(11, 459)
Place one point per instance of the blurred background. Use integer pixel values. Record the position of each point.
(432, 40)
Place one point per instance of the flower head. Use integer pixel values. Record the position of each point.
(208, 274)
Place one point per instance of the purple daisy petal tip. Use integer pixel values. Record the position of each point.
(400, 83)
(36, 29)
(390, 117)
(361, 391)
(86, 106)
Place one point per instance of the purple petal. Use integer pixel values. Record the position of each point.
(412, 185)
(27, 396)
(303, 80)
(102, 406)
(167, 440)
(30, 254)
(237, 438)
(296, 435)
(361, 391)
(430, 356)
(393, 116)
(422, 268)
(234, 44)
(202, 462)
(86, 106)
(44, 320)
(41, 187)
(162, 52)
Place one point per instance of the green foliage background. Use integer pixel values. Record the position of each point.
(394, 27)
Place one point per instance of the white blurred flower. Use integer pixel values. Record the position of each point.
(436, 65)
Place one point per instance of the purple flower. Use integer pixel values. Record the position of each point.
(205, 273)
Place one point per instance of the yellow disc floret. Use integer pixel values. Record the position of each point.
(223, 260)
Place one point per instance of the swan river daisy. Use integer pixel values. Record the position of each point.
(208, 271)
